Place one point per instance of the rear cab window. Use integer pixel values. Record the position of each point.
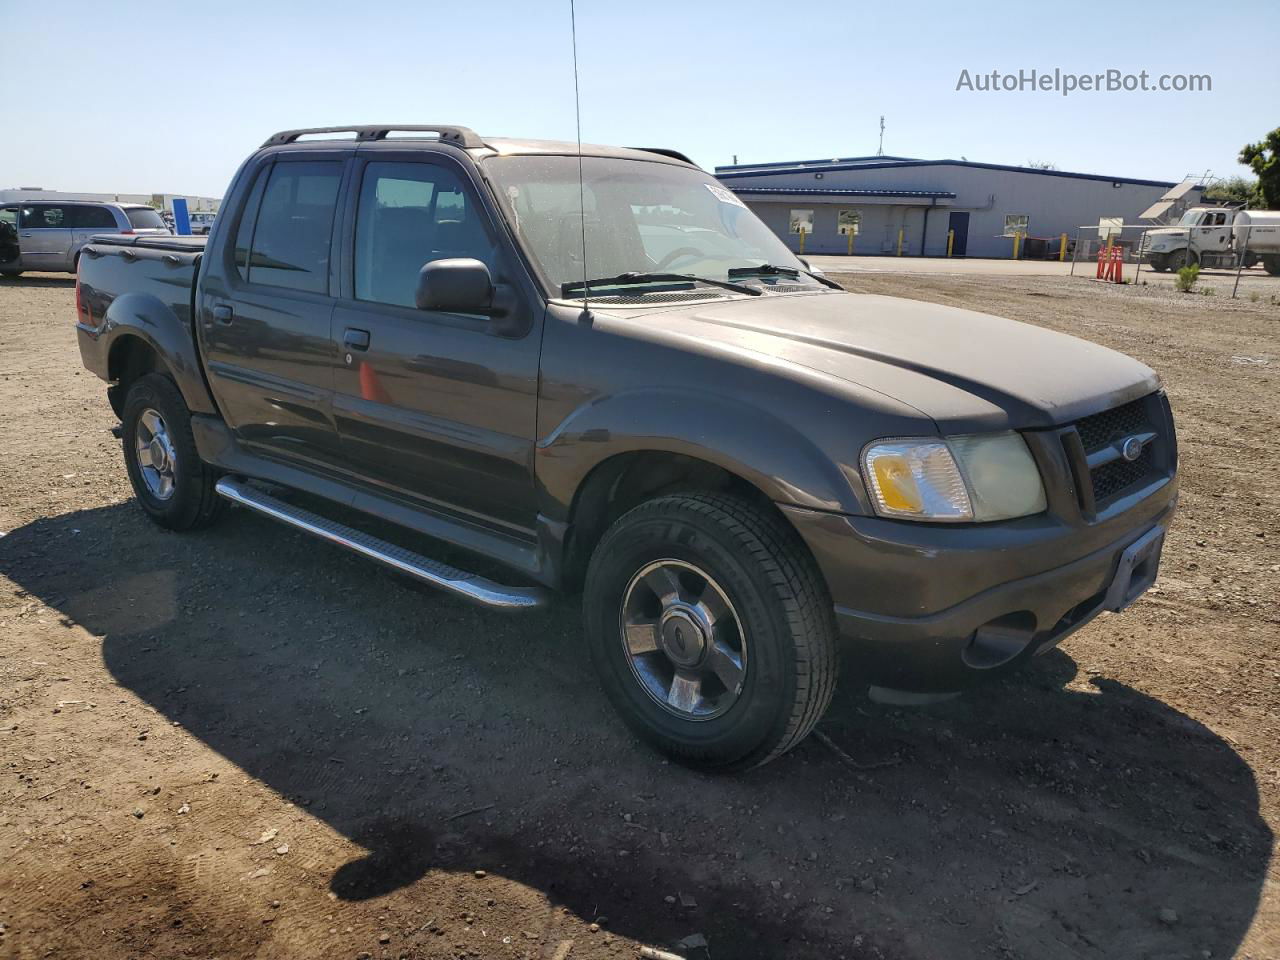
(288, 243)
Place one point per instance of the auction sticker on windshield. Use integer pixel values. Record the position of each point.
(723, 195)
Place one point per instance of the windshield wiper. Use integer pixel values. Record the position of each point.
(764, 270)
(773, 270)
(634, 278)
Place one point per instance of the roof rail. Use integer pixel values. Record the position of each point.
(463, 137)
(667, 152)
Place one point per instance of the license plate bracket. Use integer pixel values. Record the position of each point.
(1136, 570)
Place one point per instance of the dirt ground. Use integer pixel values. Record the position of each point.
(242, 743)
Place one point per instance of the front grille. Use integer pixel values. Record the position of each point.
(1106, 430)
(1119, 475)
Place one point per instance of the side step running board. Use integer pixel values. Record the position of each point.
(469, 586)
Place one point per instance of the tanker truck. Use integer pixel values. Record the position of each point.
(1217, 237)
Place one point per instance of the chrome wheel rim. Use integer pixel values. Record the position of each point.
(156, 459)
(683, 640)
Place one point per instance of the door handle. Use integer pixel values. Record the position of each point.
(223, 313)
(354, 339)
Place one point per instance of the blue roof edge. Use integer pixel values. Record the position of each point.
(738, 173)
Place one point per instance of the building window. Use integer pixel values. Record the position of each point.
(1016, 223)
(848, 222)
(801, 221)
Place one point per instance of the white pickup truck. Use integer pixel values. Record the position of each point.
(1217, 237)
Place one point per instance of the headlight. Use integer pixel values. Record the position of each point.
(978, 477)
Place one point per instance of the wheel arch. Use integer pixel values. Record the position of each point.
(623, 481)
(144, 336)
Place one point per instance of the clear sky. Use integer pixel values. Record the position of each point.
(141, 97)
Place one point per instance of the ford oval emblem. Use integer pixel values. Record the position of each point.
(1131, 449)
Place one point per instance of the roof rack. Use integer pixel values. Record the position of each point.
(463, 137)
(667, 152)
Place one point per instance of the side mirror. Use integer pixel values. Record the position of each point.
(454, 285)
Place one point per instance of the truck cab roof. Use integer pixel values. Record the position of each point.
(464, 138)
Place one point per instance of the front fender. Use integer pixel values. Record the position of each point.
(145, 317)
(746, 440)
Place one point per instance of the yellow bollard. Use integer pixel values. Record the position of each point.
(802, 240)
(851, 243)
(951, 241)
(901, 231)
(1062, 248)
(1017, 238)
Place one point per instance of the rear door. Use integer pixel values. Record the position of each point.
(265, 309)
(437, 406)
(88, 220)
(44, 234)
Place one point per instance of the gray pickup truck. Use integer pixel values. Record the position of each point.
(596, 367)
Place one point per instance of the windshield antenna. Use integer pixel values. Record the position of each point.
(582, 190)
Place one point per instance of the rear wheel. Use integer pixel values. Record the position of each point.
(711, 629)
(172, 484)
(1271, 265)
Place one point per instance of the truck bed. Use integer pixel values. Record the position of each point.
(143, 285)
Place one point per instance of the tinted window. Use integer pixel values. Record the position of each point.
(90, 218)
(248, 217)
(291, 240)
(144, 218)
(411, 213)
(43, 215)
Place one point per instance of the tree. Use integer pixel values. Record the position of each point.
(1264, 159)
(1232, 190)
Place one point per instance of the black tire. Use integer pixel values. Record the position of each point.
(192, 502)
(1181, 258)
(1271, 265)
(779, 597)
(10, 274)
(1158, 263)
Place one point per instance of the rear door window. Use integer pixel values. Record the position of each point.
(144, 218)
(90, 218)
(291, 241)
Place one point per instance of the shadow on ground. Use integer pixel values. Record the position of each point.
(38, 280)
(1028, 819)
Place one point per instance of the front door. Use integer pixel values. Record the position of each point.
(436, 406)
(958, 225)
(44, 234)
(265, 312)
(9, 255)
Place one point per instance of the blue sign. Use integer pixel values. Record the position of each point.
(181, 219)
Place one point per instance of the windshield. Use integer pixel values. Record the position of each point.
(641, 217)
(1191, 218)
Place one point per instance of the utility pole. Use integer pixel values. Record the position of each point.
(880, 152)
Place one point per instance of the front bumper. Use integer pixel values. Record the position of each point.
(927, 609)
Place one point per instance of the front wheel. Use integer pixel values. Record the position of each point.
(1179, 259)
(711, 629)
(173, 486)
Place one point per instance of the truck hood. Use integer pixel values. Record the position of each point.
(963, 369)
